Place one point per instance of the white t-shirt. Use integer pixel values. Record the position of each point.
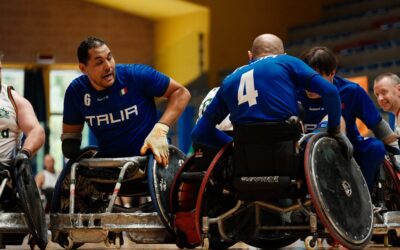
(226, 124)
(50, 179)
(9, 129)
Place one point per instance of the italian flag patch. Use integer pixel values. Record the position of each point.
(123, 91)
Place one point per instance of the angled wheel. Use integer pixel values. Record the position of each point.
(31, 203)
(214, 197)
(160, 180)
(338, 192)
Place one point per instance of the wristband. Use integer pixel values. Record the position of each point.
(27, 152)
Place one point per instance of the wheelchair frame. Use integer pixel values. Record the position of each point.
(203, 222)
(387, 224)
(142, 227)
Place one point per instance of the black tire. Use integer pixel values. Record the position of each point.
(31, 203)
(271, 239)
(270, 243)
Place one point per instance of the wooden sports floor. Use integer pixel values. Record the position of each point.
(299, 245)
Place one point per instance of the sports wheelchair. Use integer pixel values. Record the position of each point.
(386, 197)
(84, 209)
(21, 210)
(255, 191)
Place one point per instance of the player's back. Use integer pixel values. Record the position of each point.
(264, 90)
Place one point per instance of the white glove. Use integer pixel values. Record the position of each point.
(158, 143)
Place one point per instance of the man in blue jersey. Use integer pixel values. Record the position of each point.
(266, 90)
(355, 102)
(117, 103)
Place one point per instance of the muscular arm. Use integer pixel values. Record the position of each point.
(178, 97)
(29, 124)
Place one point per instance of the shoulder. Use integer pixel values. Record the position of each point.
(347, 86)
(133, 68)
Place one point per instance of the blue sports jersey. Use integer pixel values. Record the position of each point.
(120, 116)
(355, 103)
(266, 90)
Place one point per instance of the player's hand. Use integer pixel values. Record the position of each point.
(22, 155)
(158, 143)
(345, 144)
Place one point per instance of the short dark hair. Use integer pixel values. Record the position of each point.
(86, 45)
(321, 59)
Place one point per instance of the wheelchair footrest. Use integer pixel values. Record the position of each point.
(108, 221)
(13, 223)
(95, 227)
(391, 221)
(185, 222)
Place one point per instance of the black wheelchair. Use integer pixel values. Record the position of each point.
(84, 210)
(21, 209)
(386, 197)
(255, 191)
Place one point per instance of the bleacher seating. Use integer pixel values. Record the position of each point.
(364, 34)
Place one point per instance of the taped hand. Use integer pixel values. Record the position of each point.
(158, 143)
(345, 144)
(22, 155)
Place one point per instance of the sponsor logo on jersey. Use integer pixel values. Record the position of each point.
(111, 118)
(316, 109)
(100, 99)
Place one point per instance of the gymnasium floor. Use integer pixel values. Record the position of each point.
(299, 245)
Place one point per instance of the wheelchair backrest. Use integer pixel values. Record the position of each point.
(266, 149)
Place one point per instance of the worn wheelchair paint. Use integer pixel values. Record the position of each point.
(83, 210)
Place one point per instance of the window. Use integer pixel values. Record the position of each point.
(15, 78)
(59, 81)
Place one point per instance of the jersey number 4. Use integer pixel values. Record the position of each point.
(247, 92)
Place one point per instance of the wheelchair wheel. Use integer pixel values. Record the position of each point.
(391, 189)
(182, 195)
(182, 203)
(271, 241)
(159, 181)
(339, 193)
(31, 204)
(214, 197)
(83, 202)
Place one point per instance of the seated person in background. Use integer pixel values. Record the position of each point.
(46, 179)
(265, 90)
(117, 103)
(387, 92)
(355, 102)
(18, 116)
